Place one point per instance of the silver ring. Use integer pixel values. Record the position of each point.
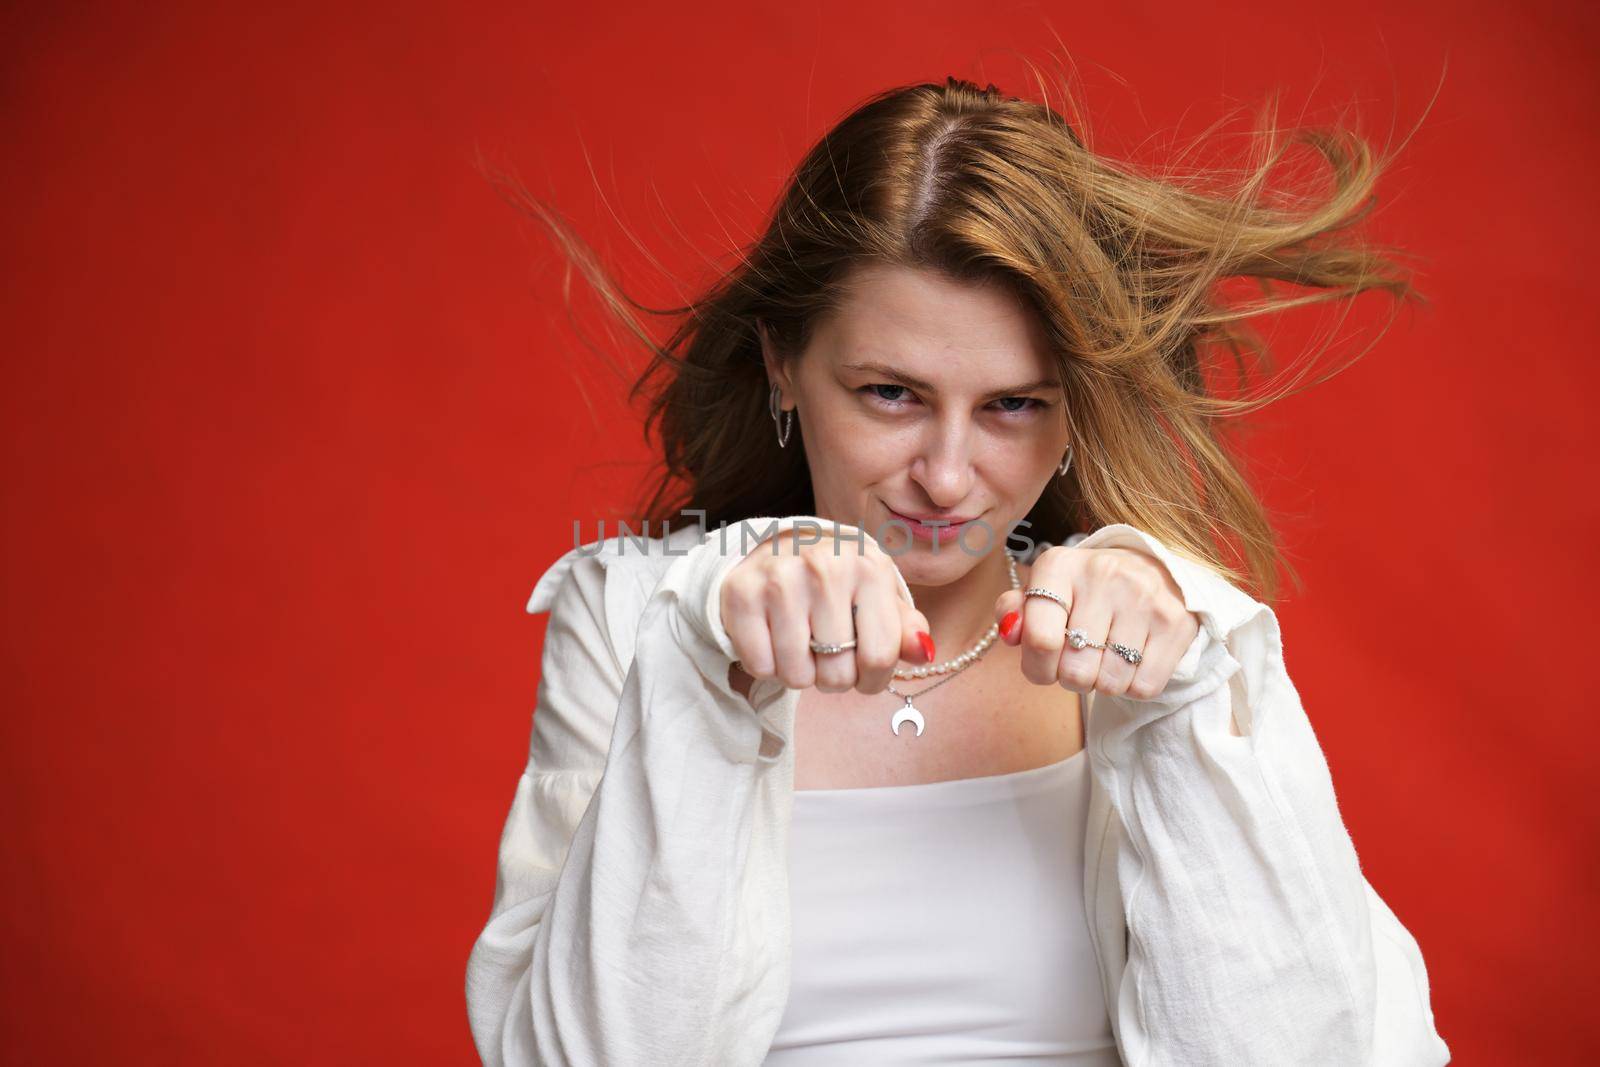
(1078, 639)
(824, 649)
(1034, 590)
(1132, 655)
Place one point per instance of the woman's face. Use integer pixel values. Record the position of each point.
(925, 398)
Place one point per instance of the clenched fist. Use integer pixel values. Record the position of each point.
(774, 604)
(1111, 595)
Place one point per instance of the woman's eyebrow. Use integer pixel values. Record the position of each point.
(912, 381)
(1031, 387)
(883, 370)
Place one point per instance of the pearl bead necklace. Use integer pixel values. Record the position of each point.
(967, 658)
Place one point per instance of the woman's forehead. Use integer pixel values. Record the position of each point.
(934, 327)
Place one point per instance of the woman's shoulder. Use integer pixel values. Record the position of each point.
(596, 592)
(630, 561)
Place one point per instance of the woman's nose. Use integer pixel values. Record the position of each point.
(944, 467)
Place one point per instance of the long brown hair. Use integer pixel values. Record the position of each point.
(1124, 266)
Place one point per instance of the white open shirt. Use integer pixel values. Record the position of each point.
(641, 910)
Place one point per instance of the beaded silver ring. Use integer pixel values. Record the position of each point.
(1034, 590)
(1132, 655)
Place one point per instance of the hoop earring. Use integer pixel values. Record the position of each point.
(1066, 463)
(785, 423)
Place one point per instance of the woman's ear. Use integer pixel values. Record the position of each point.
(769, 356)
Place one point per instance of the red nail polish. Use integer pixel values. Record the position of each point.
(1008, 623)
(927, 644)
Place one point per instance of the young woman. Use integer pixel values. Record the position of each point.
(945, 732)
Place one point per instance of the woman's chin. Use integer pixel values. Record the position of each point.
(922, 566)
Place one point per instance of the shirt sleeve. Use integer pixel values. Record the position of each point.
(639, 915)
(580, 680)
(1252, 935)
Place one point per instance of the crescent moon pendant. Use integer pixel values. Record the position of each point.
(906, 714)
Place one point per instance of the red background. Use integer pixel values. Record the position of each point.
(293, 420)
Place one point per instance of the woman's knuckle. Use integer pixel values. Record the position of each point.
(876, 660)
(774, 587)
(819, 565)
(744, 595)
(869, 581)
(1037, 639)
(1076, 677)
(1103, 567)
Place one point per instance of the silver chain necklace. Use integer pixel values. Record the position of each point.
(909, 712)
(953, 668)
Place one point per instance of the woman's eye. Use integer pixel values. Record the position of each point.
(878, 392)
(895, 395)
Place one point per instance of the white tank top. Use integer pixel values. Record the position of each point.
(943, 922)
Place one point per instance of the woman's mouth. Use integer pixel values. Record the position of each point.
(934, 529)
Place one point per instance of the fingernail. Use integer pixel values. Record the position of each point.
(1008, 623)
(926, 641)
